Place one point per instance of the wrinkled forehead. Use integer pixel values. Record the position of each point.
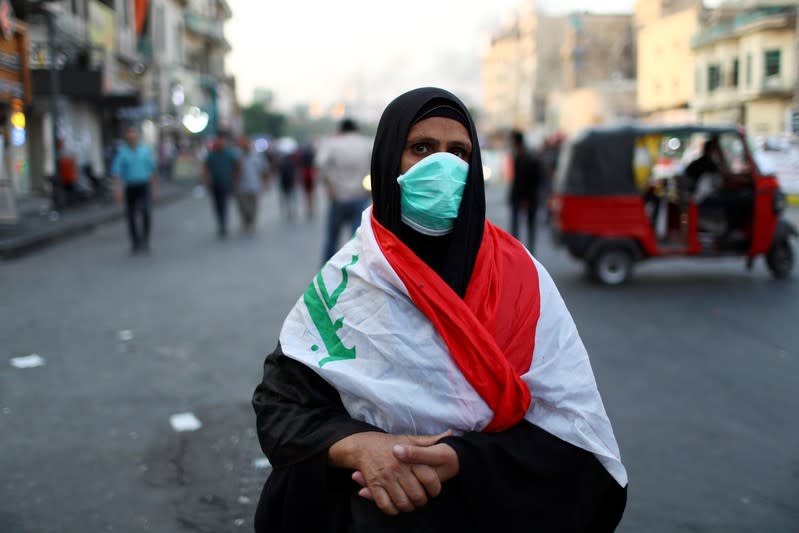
(441, 128)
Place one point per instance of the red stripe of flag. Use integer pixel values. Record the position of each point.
(491, 333)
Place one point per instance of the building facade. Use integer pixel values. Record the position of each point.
(597, 67)
(98, 71)
(15, 96)
(597, 47)
(746, 69)
(156, 64)
(665, 60)
(206, 85)
(509, 74)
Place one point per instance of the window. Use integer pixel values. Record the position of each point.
(713, 77)
(772, 63)
(698, 80)
(732, 148)
(734, 73)
(748, 70)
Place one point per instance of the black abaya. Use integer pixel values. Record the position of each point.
(522, 479)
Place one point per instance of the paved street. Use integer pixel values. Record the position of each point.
(697, 361)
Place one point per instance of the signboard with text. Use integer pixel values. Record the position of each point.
(15, 81)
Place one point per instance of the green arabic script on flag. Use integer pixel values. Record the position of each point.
(320, 303)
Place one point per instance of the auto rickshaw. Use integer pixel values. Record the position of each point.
(628, 193)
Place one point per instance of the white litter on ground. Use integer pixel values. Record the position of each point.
(261, 463)
(125, 335)
(29, 361)
(244, 500)
(198, 191)
(185, 422)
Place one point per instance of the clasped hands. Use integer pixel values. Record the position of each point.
(399, 473)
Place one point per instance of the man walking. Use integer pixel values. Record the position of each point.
(343, 162)
(524, 190)
(251, 183)
(134, 173)
(220, 174)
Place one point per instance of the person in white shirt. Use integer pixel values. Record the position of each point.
(253, 169)
(343, 161)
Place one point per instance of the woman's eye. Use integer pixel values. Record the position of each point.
(459, 153)
(420, 149)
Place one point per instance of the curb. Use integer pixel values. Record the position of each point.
(15, 247)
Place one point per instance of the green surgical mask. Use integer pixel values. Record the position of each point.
(431, 192)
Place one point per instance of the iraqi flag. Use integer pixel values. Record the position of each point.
(409, 356)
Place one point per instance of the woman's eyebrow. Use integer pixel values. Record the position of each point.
(461, 144)
(422, 139)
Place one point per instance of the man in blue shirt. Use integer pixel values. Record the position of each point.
(221, 173)
(134, 171)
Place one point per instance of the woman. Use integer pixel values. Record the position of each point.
(431, 378)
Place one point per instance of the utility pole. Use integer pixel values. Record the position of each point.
(55, 90)
(45, 8)
(793, 125)
(796, 65)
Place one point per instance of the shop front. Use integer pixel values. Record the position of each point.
(15, 95)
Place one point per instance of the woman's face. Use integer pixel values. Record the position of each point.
(435, 134)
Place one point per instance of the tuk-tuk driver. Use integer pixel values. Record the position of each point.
(709, 176)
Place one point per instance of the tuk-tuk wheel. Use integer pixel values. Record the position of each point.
(780, 258)
(612, 265)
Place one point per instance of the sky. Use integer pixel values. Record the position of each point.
(370, 50)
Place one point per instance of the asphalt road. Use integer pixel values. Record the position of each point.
(697, 362)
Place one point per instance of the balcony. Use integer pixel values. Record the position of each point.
(776, 85)
(761, 18)
(204, 27)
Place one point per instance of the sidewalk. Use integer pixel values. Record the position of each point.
(38, 226)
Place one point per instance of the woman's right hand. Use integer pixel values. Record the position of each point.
(393, 485)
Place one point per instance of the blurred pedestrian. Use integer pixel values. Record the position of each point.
(220, 173)
(251, 183)
(308, 172)
(525, 188)
(287, 170)
(134, 172)
(549, 159)
(67, 171)
(343, 162)
(433, 362)
(167, 153)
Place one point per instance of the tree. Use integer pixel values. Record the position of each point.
(259, 119)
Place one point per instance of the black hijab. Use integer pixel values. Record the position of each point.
(452, 256)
